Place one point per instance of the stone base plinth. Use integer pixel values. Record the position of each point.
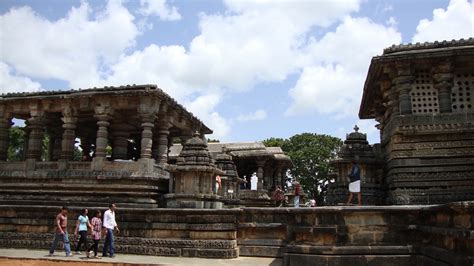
(255, 198)
(372, 194)
(193, 201)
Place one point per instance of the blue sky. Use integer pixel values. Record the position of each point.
(249, 69)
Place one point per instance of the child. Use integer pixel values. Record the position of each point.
(96, 234)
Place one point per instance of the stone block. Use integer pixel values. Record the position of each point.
(212, 235)
(261, 251)
(463, 221)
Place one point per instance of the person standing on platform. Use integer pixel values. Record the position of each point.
(110, 225)
(354, 185)
(96, 223)
(297, 194)
(61, 233)
(81, 227)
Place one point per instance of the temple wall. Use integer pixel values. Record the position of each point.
(429, 159)
(389, 235)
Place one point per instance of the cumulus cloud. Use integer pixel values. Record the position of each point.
(75, 48)
(10, 82)
(454, 22)
(204, 106)
(259, 114)
(333, 79)
(159, 8)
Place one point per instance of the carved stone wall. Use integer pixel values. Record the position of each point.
(379, 235)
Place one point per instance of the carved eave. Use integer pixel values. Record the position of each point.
(123, 98)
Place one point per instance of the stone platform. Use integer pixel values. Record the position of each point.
(375, 235)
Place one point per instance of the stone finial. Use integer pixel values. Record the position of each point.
(356, 128)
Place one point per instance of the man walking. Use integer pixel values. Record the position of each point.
(354, 185)
(110, 224)
(61, 233)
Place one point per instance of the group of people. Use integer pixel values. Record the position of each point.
(97, 227)
(280, 199)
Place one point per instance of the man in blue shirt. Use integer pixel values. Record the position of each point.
(354, 185)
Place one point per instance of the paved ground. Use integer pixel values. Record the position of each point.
(25, 257)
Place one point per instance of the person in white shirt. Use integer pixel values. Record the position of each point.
(110, 224)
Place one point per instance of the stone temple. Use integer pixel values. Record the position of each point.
(146, 153)
(422, 96)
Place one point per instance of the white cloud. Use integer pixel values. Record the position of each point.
(76, 48)
(252, 42)
(13, 83)
(259, 114)
(456, 22)
(233, 52)
(203, 107)
(333, 79)
(159, 8)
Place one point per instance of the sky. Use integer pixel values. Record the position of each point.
(250, 70)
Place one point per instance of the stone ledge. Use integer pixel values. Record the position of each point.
(351, 250)
(445, 231)
(447, 256)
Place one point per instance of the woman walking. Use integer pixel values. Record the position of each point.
(81, 227)
(96, 234)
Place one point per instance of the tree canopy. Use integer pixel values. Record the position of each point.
(311, 154)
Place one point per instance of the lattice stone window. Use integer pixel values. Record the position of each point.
(424, 97)
(461, 93)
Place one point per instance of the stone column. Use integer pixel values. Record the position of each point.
(35, 139)
(68, 138)
(260, 173)
(5, 125)
(147, 136)
(443, 82)
(102, 136)
(103, 116)
(120, 134)
(277, 176)
(403, 83)
(162, 142)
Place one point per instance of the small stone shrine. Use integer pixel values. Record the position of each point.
(357, 148)
(230, 181)
(193, 180)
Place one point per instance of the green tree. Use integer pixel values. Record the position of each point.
(311, 154)
(16, 148)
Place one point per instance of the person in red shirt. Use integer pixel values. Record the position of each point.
(61, 233)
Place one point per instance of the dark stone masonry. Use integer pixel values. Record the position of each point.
(417, 184)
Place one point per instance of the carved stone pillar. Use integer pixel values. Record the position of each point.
(5, 125)
(403, 83)
(147, 136)
(35, 139)
(120, 134)
(69, 136)
(102, 135)
(260, 173)
(161, 142)
(443, 82)
(278, 175)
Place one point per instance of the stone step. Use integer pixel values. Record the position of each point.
(46, 193)
(91, 204)
(78, 187)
